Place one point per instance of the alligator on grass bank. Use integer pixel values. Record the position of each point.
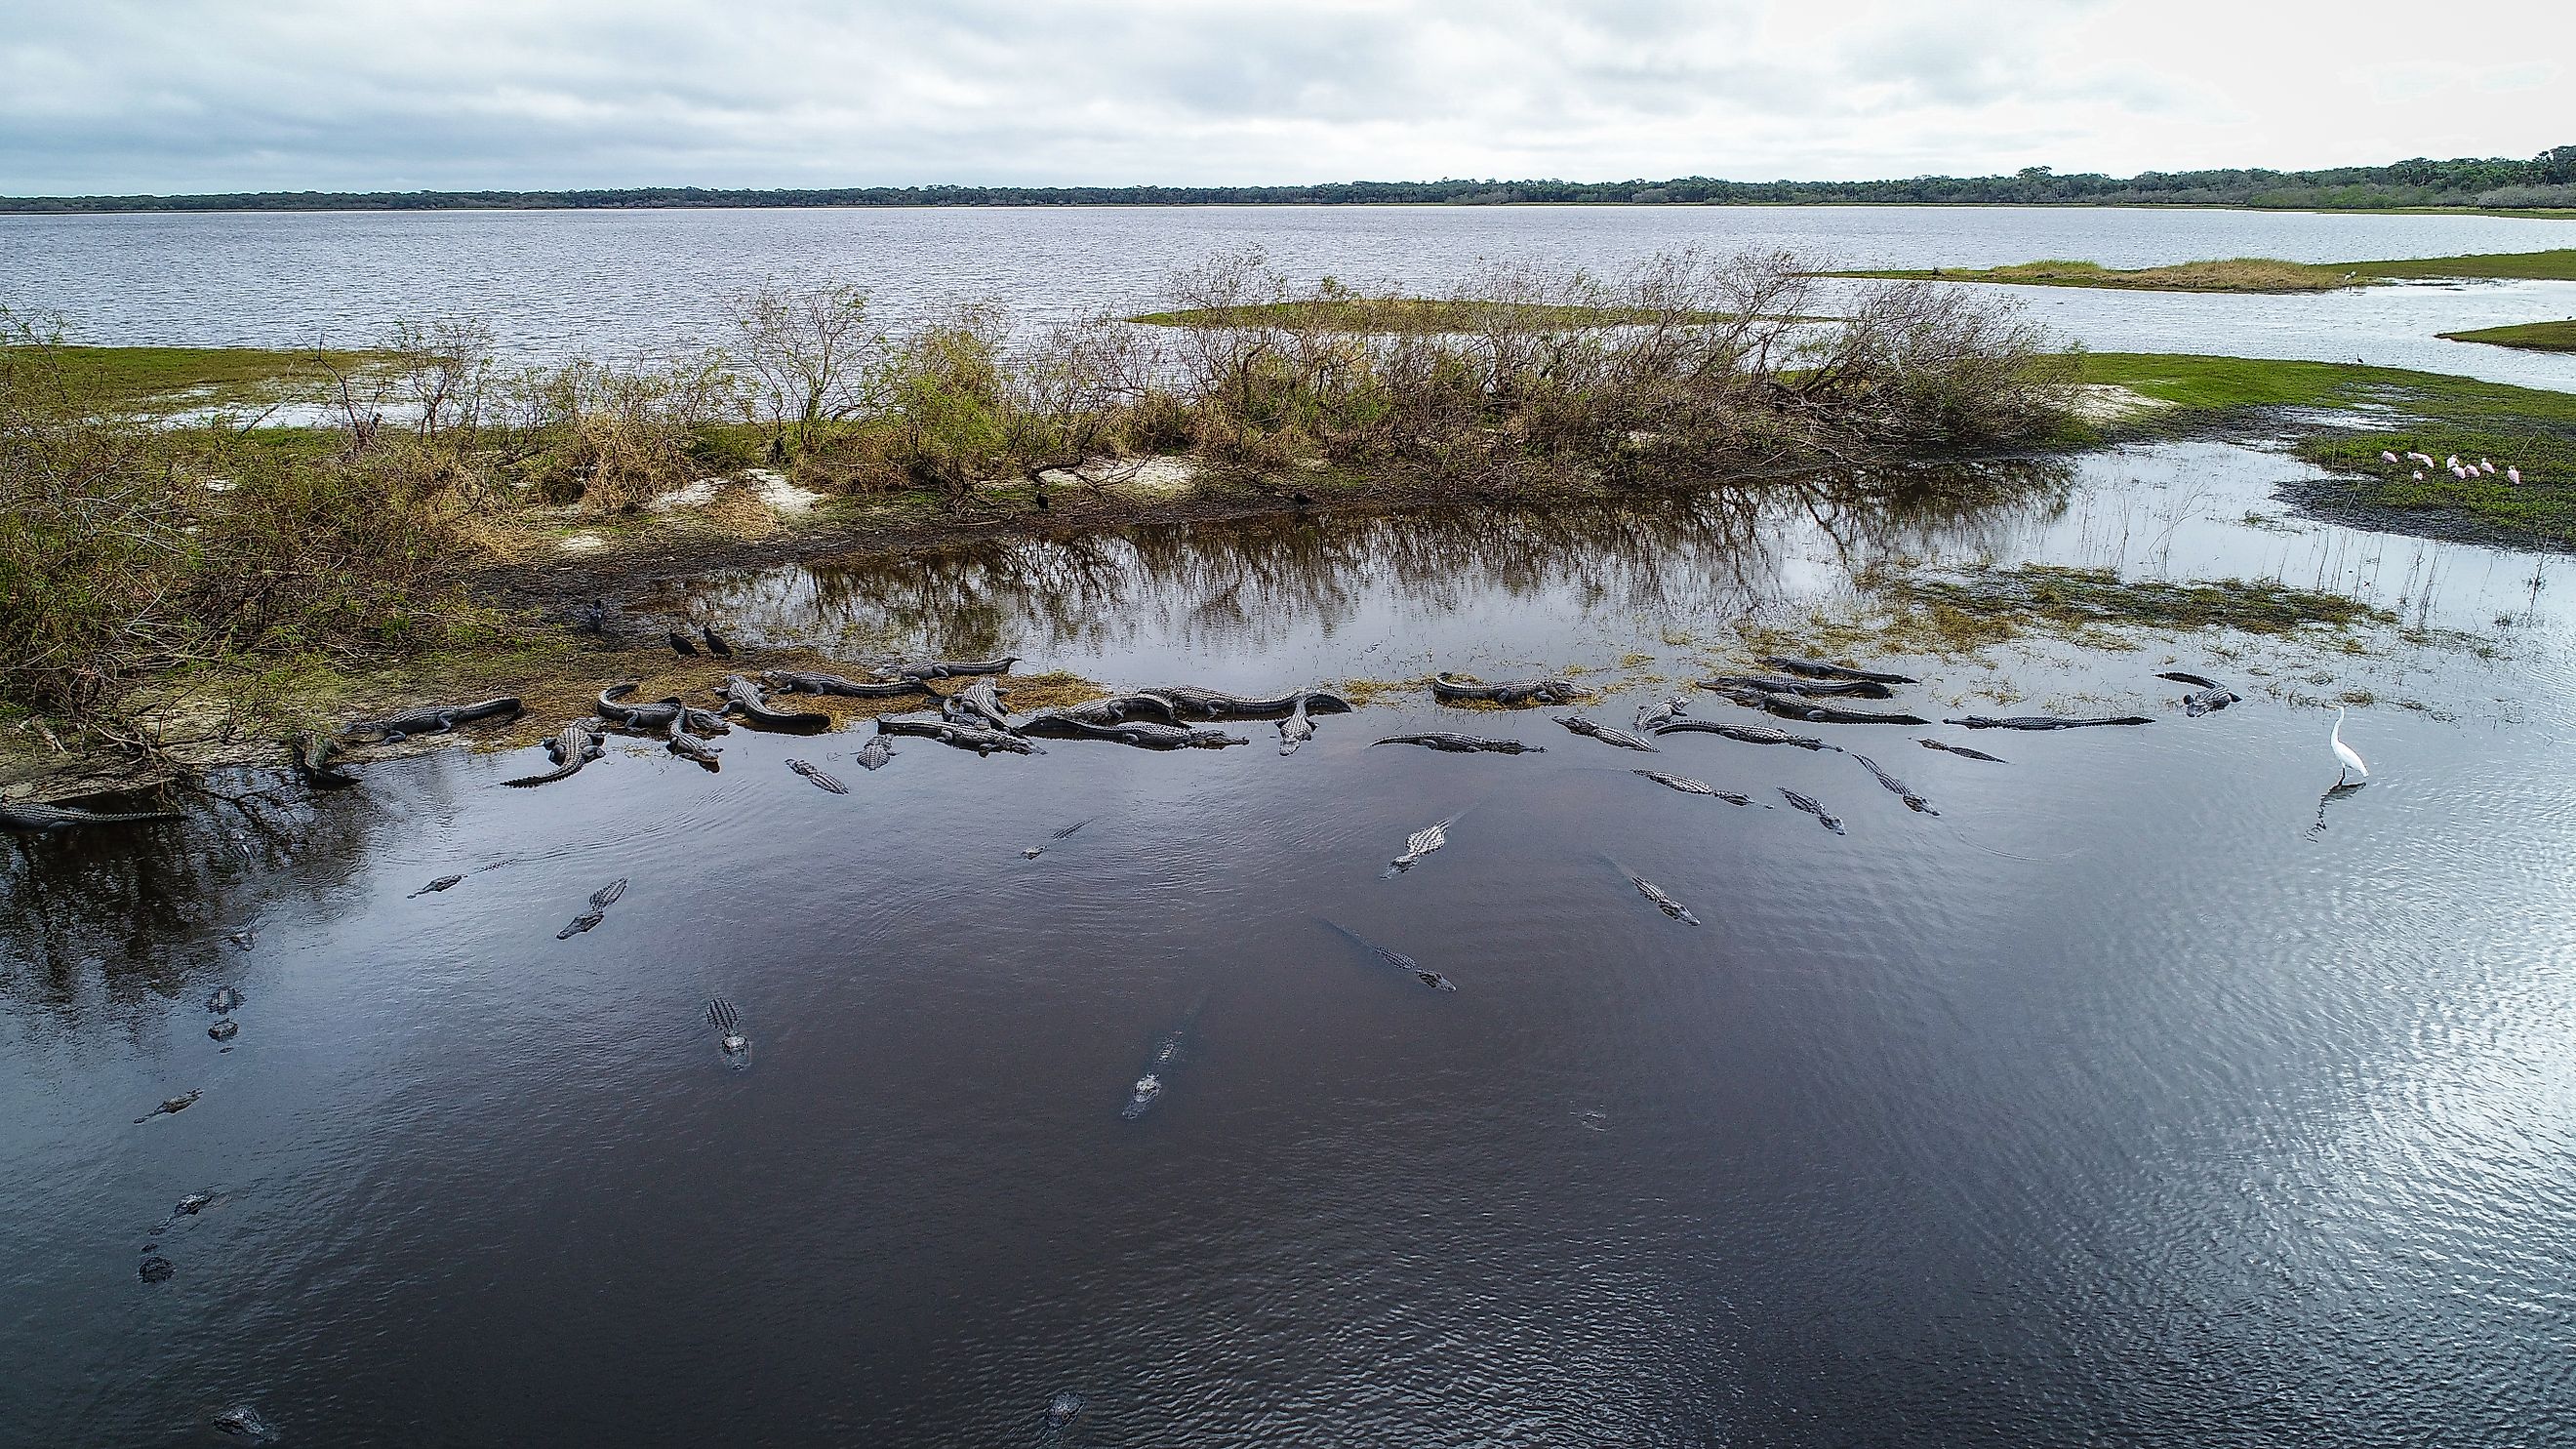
(657, 714)
(743, 695)
(1196, 703)
(949, 668)
(35, 819)
(1514, 694)
(801, 681)
(436, 719)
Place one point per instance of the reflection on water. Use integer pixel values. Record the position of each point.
(2114, 1104)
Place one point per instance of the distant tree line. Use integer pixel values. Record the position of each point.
(2548, 179)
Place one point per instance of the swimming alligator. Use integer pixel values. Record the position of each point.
(2207, 696)
(873, 755)
(1815, 669)
(799, 681)
(729, 1038)
(1142, 733)
(436, 719)
(814, 773)
(659, 713)
(740, 693)
(1663, 902)
(964, 737)
(1811, 807)
(1197, 703)
(1794, 707)
(1604, 733)
(1397, 959)
(949, 668)
(1689, 786)
(2043, 722)
(1061, 832)
(311, 754)
(225, 1001)
(173, 1105)
(1749, 734)
(224, 1030)
(1656, 713)
(1809, 688)
(44, 819)
(575, 745)
(1296, 729)
(154, 1268)
(608, 895)
(1419, 844)
(600, 900)
(440, 884)
(1168, 1048)
(1462, 744)
(1945, 745)
(1516, 694)
(241, 1421)
(1897, 787)
(687, 746)
(1062, 1409)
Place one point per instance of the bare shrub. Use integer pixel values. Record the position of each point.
(811, 358)
(611, 437)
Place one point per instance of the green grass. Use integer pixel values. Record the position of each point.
(2551, 266)
(1412, 314)
(2216, 384)
(2531, 336)
(146, 377)
(2253, 274)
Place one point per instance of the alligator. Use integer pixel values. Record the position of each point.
(188, 1207)
(1789, 706)
(1657, 713)
(1110, 709)
(729, 1038)
(1604, 733)
(687, 746)
(1148, 1089)
(442, 883)
(225, 1001)
(1197, 703)
(949, 668)
(1815, 669)
(979, 702)
(1062, 1409)
(436, 719)
(1810, 688)
(311, 754)
(964, 737)
(155, 1268)
(244, 937)
(1397, 959)
(1296, 729)
(600, 900)
(44, 819)
(241, 1421)
(1515, 693)
(575, 745)
(1061, 832)
(1896, 787)
(580, 923)
(607, 895)
(2043, 722)
(1944, 745)
(814, 773)
(874, 754)
(658, 713)
(1462, 744)
(1809, 805)
(1689, 786)
(1663, 902)
(2207, 696)
(1144, 734)
(740, 693)
(1419, 844)
(799, 681)
(224, 1030)
(174, 1104)
(1749, 734)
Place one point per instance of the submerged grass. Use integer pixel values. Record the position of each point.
(146, 378)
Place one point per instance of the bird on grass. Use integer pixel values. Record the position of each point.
(715, 642)
(591, 618)
(2350, 757)
(680, 645)
(2513, 476)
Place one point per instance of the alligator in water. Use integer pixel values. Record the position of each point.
(42, 819)
(964, 737)
(1462, 744)
(1655, 714)
(1795, 707)
(1515, 693)
(580, 923)
(1196, 703)
(225, 1001)
(1749, 734)
(575, 745)
(1815, 669)
(658, 714)
(1689, 786)
(1142, 733)
(311, 754)
(1111, 709)
(442, 883)
(1296, 729)
(729, 1038)
(1896, 787)
(435, 719)
(174, 1104)
(740, 693)
(1063, 1409)
(1419, 844)
(1397, 959)
(1810, 688)
(980, 702)
(1604, 733)
(2207, 696)
(241, 1421)
(950, 668)
(799, 681)
(1168, 1048)
(1061, 832)
(608, 895)
(813, 772)
(1808, 804)
(154, 1268)
(1945, 746)
(600, 900)
(2043, 722)
(677, 739)
(873, 755)
(1655, 893)
(224, 1030)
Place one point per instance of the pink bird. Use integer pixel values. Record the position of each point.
(2486, 467)
(2386, 456)
(2419, 475)
(2513, 476)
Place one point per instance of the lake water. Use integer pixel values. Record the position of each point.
(2147, 1095)
(613, 283)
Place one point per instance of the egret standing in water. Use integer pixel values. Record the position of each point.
(2352, 764)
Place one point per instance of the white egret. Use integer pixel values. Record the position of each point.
(2352, 764)
(2513, 476)
(2419, 475)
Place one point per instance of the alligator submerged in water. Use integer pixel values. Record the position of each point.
(873, 755)
(1142, 733)
(1419, 844)
(225, 1001)
(1962, 750)
(1655, 893)
(1655, 714)
(948, 668)
(1816, 669)
(964, 737)
(600, 900)
(741, 694)
(729, 1038)
(39, 819)
(173, 1105)
(1795, 707)
(1197, 703)
(1689, 786)
(575, 745)
(440, 884)
(814, 772)
(1749, 734)
(1461, 744)
(2207, 696)
(2043, 722)
(1604, 733)
(1061, 832)
(1807, 688)
(436, 719)
(1896, 787)
(1808, 804)
(1396, 959)
(802, 681)
(1514, 693)
(1151, 1081)
(657, 714)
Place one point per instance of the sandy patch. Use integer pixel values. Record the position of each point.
(2108, 402)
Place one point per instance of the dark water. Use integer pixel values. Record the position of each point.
(613, 283)
(2119, 1104)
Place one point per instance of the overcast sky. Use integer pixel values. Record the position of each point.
(193, 95)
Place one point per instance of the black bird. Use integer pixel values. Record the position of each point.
(680, 645)
(715, 643)
(1042, 503)
(591, 618)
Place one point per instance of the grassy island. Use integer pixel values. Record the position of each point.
(2530, 336)
(2253, 274)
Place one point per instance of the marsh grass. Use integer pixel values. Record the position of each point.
(2254, 274)
(2530, 336)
